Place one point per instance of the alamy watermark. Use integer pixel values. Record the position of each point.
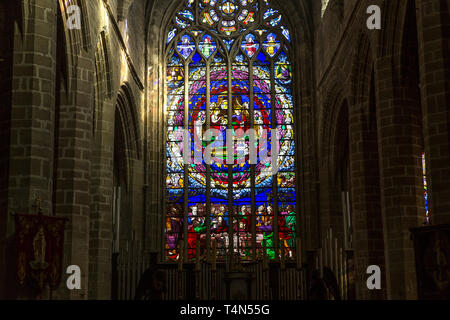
(374, 20)
(74, 280)
(74, 17)
(374, 281)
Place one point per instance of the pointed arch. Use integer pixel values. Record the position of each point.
(75, 40)
(128, 112)
(102, 77)
(229, 68)
(127, 138)
(363, 65)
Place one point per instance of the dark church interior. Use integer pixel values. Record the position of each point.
(218, 150)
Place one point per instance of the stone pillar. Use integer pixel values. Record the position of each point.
(433, 20)
(400, 147)
(8, 16)
(100, 244)
(32, 117)
(365, 193)
(73, 171)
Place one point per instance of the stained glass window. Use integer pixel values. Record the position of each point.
(425, 185)
(229, 94)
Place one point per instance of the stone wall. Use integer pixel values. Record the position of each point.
(390, 93)
(61, 151)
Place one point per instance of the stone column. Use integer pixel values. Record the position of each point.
(8, 16)
(433, 20)
(73, 168)
(100, 244)
(32, 116)
(400, 147)
(365, 193)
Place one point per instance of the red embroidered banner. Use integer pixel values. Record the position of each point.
(40, 247)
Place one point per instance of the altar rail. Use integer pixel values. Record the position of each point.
(268, 284)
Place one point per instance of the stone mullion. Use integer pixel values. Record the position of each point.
(230, 167)
(434, 70)
(160, 236)
(186, 165)
(275, 180)
(208, 166)
(252, 166)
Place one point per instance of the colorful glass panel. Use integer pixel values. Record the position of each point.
(425, 186)
(229, 92)
(250, 45)
(186, 46)
(207, 46)
(272, 45)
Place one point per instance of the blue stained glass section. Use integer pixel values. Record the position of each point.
(186, 46)
(263, 194)
(197, 102)
(197, 196)
(243, 195)
(276, 21)
(196, 58)
(262, 102)
(228, 43)
(171, 35)
(270, 12)
(219, 196)
(181, 23)
(187, 14)
(262, 58)
(286, 33)
(240, 58)
(175, 195)
(175, 61)
(286, 196)
(218, 58)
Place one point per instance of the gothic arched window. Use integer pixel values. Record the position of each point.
(229, 83)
